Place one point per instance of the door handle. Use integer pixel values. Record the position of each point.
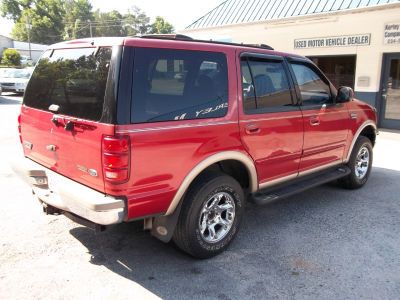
(314, 121)
(252, 129)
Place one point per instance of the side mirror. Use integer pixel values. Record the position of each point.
(345, 94)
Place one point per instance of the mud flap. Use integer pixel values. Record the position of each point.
(164, 226)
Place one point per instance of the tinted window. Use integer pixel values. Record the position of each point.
(267, 83)
(73, 79)
(178, 85)
(249, 97)
(312, 88)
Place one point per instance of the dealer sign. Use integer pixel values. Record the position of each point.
(334, 41)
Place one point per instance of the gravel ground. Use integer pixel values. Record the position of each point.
(325, 243)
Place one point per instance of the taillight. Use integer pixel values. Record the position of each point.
(19, 128)
(116, 158)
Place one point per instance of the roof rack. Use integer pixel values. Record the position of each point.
(167, 37)
(182, 37)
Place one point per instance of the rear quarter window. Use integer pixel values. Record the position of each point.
(178, 85)
(73, 79)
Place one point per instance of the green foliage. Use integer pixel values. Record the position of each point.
(77, 17)
(46, 21)
(11, 57)
(160, 26)
(107, 23)
(112, 23)
(12, 9)
(52, 21)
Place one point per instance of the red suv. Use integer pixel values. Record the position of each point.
(181, 133)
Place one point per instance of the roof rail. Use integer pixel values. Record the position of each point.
(264, 46)
(172, 36)
(182, 37)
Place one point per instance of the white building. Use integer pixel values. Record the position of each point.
(22, 47)
(355, 42)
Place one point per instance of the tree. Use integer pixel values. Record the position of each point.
(136, 22)
(160, 26)
(11, 57)
(12, 9)
(108, 23)
(77, 19)
(112, 23)
(51, 21)
(43, 17)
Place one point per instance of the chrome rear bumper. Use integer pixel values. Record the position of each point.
(67, 195)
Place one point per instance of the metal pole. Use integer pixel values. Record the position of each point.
(29, 38)
(90, 27)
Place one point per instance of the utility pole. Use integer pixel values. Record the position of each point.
(90, 28)
(28, 26)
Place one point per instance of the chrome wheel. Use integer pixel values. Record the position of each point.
(216, 217)
(362, 162)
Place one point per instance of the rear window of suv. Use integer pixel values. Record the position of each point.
(73, 79)
(178, 85)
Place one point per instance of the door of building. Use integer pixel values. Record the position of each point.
(390, 92)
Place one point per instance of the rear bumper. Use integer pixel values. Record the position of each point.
(67, 195)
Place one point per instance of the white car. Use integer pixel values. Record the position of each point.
(26, 60)
(14, 80)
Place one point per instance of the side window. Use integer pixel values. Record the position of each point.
(173, 85)
(249, 97)
(313, 89)
(168, 77)
(265, 86)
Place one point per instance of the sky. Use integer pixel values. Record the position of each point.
(180, 13)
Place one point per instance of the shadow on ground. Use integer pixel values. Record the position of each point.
(11, 99)
(321, 242)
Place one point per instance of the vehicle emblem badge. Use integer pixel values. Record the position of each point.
(28, 145)
(92, 172)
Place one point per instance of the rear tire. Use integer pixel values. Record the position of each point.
(360, 164)
(210, 215)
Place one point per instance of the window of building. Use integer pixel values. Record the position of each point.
(313, 89)
(178, 85)
(340, 70)
(265, 86)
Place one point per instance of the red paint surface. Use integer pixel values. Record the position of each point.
(163, 153)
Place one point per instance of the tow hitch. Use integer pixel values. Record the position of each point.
(51, 210)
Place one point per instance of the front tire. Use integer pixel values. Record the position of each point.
(210, 215)
(360, 164)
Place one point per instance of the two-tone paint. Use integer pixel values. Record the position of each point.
(167, 156)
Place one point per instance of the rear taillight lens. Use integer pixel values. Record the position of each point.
(116, 158)
(19, 128)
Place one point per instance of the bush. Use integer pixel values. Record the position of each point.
(11, 57)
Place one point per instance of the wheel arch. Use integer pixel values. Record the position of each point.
(367, 129)
(237, 156)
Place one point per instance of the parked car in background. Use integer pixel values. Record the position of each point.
(26, 61)
(14, 80)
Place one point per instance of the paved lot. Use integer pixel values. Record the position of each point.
(326, 243)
